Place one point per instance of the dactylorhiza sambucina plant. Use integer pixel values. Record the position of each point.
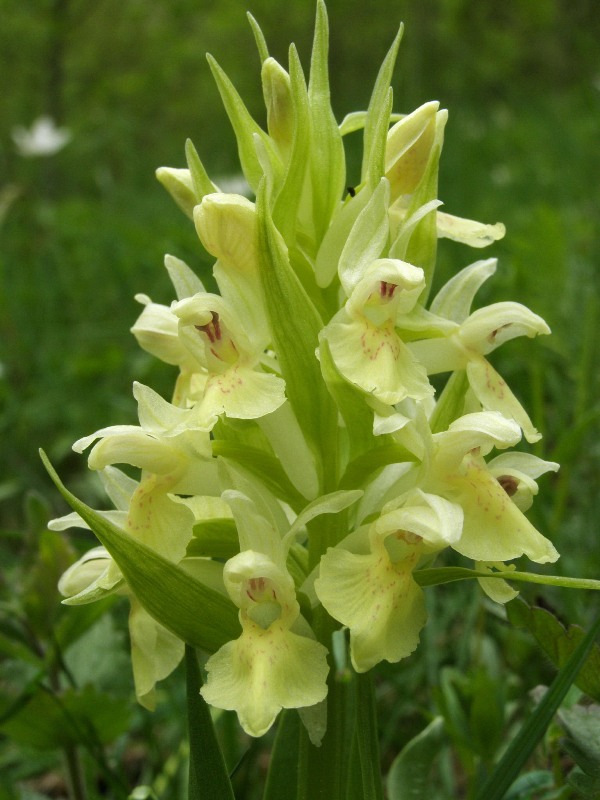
(304, 477)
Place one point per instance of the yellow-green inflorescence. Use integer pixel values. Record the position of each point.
(304, 459)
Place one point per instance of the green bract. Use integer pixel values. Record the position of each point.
(303, 476)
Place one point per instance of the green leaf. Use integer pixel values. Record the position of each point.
(530, 782)
(264, 466)
(282, 778)
(324, 770)
(367, 238)
(37, 512)
(486, 718)
(285, 209)
(143, 793)
(215, 538)
(523, 745)
(558, 642)
(367, 738)
(11, 647)
(201, 182)
(408, 778)
(295, 325)
(208, 777)
(245, 128)
(358, 418)
(582, 726)
(451, 402)
(50, 721)
(259, 38)
(360, 469)
(327, 158)
(376, 165)
(100, 657)
(41, 598)
(166, 591)
(377, 102)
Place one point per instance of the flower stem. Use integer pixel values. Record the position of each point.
(75, 772)
(208, 776)
(322, 769)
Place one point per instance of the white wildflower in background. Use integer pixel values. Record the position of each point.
(43, 138)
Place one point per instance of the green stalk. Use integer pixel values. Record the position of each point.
(208, 778)
(77, 788)
(368, 738)
(75, 772)
(322, 770)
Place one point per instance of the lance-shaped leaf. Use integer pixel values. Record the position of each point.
(450, 404)
(288, 199)
(208, 778)
(259, 38)
(409, 774)
(295, 324)
(201, 183)
(244, 126)
(185, 606)
(367, 238)
(327, 162)
(334, 241)
(376, 164)
(378, 99)
(357, 416)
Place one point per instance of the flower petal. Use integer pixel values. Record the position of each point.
(496, 589)
(435, 520)
(489, 327)
(383, 606)
(155, 652)
(264, 671)
(242, 393)
(481, 430)
(91, 578)
(494, 529)
(156, 332)
(454, 299)
(468, 231)
(159, 522)
(494, 394)
(375, 359)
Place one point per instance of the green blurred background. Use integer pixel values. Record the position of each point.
(84, 229)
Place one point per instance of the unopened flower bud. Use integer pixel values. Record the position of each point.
(226, 225)
(178, 183)
(409, 143)
(278, 100)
